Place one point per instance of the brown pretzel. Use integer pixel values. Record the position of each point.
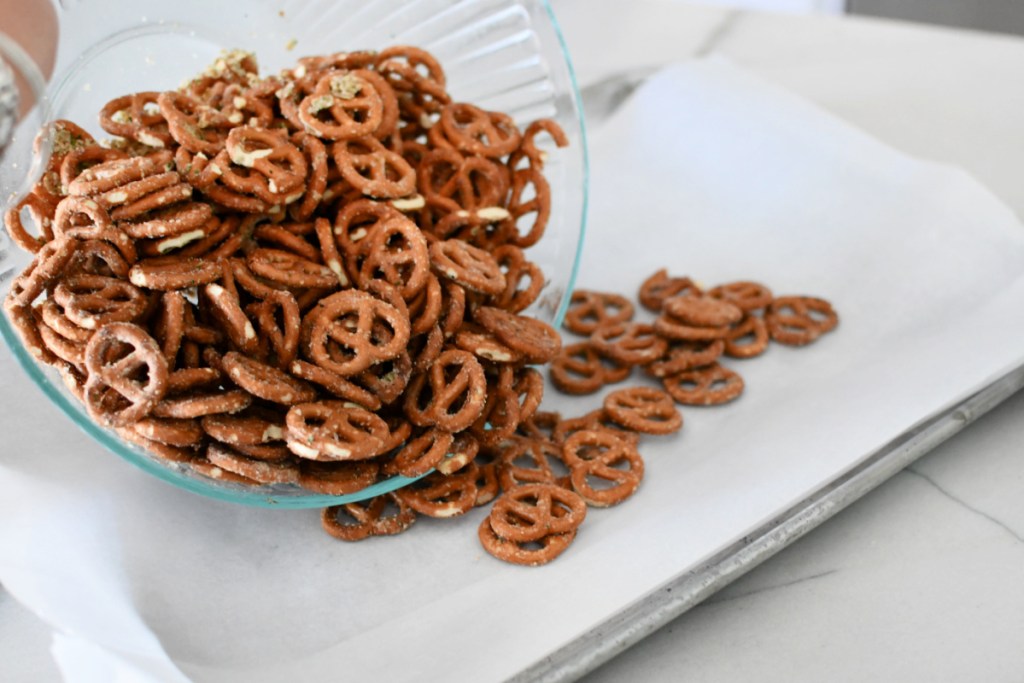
(468, 266)
(661, 286)
(370, 517)
(127, 374)
(685, 355)
(748, 338)
(45, 269)
(551, 546)
(397, 253)
(131, 116)
(482, 343)
(443, 496)
(287, 269)
(342, 105)
(528, 148)
(163, 451)
(181, 433)
(748, 296)
(422, 454)
(373, 169)
(517, 298)
(701, 310)
(580, 369)
(589, 310)
(332, 430)
(643, 409)
(537, 341)
(388, 379)
(260, 471)
(278, 166)
(460, 454)
(169, 326)
(475, 131)
(251, 428)
(533, 511)
(265, 381)
(213, 402)
(53, 317)
(710, 385)
(539, 204)
(629, 343)
(799, 320)
(42, 212)
(530, 461)
(457, 393)
(197, 127)
(174, 274)
(337, 478)
(501, 415)
(352, 330)
(225, 308)
(597, 455)
(185, 222)
(335, 384)
(92, 301)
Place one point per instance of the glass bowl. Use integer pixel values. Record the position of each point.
(501, 55)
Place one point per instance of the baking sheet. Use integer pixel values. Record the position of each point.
(707, 171)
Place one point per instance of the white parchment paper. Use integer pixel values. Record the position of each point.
(706, 171)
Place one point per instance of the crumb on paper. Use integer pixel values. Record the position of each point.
(280, 13)
(290, 45)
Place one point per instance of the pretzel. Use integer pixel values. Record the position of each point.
(245, 429)
(50, 261)
(515, 298)
(350, 321)
(539, 203)
(174, 274)
(316, 181)
(68, 350)
(643, 409)
(343, 105)
(337, 478)
(371, 518)
(468, 266)
(175, 454)
(373, 169)
(287, 269)
(92, 301)
(260, 471)
(748, 296)
(387, 380)
(397, 253)
(419, 456)
(475, 131)
(278, 166)
(529, 461)
(283, 338)
(501, 414)
(181, 433)
(186, 379)
(226, 309)
(533, 511)
(747, 338)
(265, 381)
(111, 174)
(686, 355)
(130, 116)
(482, 343)
(195, 126)
(460, 454)
(710, 385)
(596, 454)
(202, 404)
(42, 211)
(52, 316)
(629, 343)
(442, 496)
(332, 430)
(335, 384)
(589, 310)
(114, 356)
(799, 320)
(661, 286)
(551, 546)
(580, 369)
(185, 222)
(701, 311)
(537, 341)
(528, 148)
(453, 403)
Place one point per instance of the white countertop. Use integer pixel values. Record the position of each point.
(920, 580)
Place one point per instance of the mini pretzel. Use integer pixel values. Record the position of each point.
(163, 451)
(442, 496)
(686, 355)
(388, 379)
(186, 379)
(370, 517)
(475, 131)
(282, 337)
(529, 461)
(111, 174)
(537, 341)
(41, 211)
(748, 338)
(397, 253)
(195, 126)
(351, 321)
(181, 433)
(188, 220)
(701, 311)
(247, 429)
(748, 296)
(129, 117)
(528, 148)
(171, 275)
(500, 415)
(280, 166)
(516, 298)
(202, 404)
(91, 301)
(551, 546)
(643, 409)
(468, 266)
(265, 381)
(289, 270)
(53, 317)
(116, 357)
(661, 286)
(672, 329)
(460, 454)
(48, 265)
(425, 306)
(629, 343)
(799, 320)
(332, 430)
(457, 393)
(337, 478)
(589, 310)
(373, 169)
(342, 105)
(335, 384)
(420, 455)
(482, 343)
(580, 369)
(595, 420)
(597, 454)
(316, 182)
(68, 350)
(539, 203)
(533, 511)
(260, 471)
(711, 385)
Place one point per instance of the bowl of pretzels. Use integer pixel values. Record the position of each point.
(296, 254)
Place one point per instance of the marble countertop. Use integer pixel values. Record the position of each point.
(921, 579)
